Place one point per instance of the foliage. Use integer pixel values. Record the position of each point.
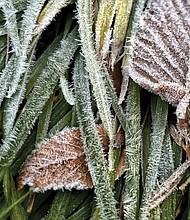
(64, 64)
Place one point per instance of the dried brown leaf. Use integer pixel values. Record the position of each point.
(160, 52)
(60, 162)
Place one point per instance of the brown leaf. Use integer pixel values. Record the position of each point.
(60, 162)
(116, 77)
(160, 52)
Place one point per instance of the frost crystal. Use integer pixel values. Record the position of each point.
(159, 59)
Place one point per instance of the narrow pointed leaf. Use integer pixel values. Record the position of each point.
(11, 25)
(136, 11)
(26, 35)
(123, 10)
(159, 119)
(115, 101)
(11, 108)
(133, 143)
(93, 67)
(168, 186)
(12, 197)
(37, 100)
(44, 119)
(166, 168)
(67, 91)
(103, 27)
(95, 156)
(49, 12)
(66, 203)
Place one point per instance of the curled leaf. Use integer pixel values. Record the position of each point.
(52, 8)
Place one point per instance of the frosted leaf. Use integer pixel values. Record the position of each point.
(93, 66)
(49, 12)
(159, 59)
(168, 186)
(67, 91)
(60, 162)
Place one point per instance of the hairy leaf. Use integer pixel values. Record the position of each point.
(94, 152)
(44, 87)
(93, 66)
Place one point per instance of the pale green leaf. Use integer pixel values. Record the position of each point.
(11, 25)
(43, 88)
(103, 27)
(123, 10)
(49, 12)
(26, 36)
(133, 153)
(134, 20)
(94, 152)
(93, 67)
(159, 119)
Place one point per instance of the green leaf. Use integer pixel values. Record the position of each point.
(133, 153)
(103, 27)
(5, 78)
(166, 168)
(67, 92)
(58, 113)
(93, 150)
(20, 4)
(11, 24)
(93, 66)
(168, 186)
(123, 10)
(63, 122)
(146, 133)
(84, 210)
(49, 12)
(66, 203)
(9, 208)
(12, 199)
(11, 107)
(136, 12)
(40, 64)
(23, 153)
(26, 35)
(159, 120)
(115, 101)
(43, 88)
(44, 119)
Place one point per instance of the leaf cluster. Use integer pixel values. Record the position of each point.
(62, 64)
